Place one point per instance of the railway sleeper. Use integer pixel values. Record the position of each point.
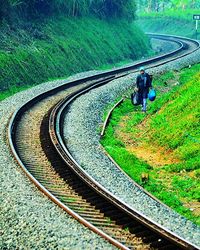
(56, 187)
(92, 216)
(64, 191)
(41, 174)
(83, 207)
(103, 225)
(70, 200)
(90, 210)
(102, 220)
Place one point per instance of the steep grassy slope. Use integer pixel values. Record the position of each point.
(58, 48)
(170, 22)
(176, 126)
(165, 143)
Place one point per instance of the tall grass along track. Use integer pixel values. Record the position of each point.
(71, 188)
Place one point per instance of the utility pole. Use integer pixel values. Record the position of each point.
(197, 19)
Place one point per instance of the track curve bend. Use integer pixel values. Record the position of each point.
(35, 137)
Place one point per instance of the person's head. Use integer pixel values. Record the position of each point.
(142, 70)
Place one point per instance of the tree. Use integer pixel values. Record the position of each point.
(31, 9)
(114, 8)
(161, 5)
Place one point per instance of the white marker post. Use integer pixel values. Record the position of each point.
(197, 18)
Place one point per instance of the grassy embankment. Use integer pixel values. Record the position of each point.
(174, 22)
(164, 143)
(56, 48)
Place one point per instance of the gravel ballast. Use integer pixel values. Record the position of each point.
(82, 122)
(28, 220)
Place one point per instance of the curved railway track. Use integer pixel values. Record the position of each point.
(35, 137)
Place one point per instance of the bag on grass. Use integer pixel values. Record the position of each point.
(135, 98)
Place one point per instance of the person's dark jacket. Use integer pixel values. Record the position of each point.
(144, 82)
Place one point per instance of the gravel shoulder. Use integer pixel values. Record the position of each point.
(82, 139)
(28, 220)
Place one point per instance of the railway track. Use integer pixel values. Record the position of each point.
(35, 137)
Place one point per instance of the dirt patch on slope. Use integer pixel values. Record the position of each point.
(154, 155)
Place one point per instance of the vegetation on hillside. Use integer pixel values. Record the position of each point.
(169, 22)
(42, 40)
(164, 143)
(181, 16)
(172, 17)
(57, 49)
(176, 126)
(31, 9)
(164, 5)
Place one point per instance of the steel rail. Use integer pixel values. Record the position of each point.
(55, 130)
(57, 201)
(19, 113)
(11, 137)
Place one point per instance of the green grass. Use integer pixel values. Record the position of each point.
(57, 48)
(173, 122)
(186, 15)
(177, 126)
(170, 22)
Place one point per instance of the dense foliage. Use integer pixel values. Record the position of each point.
(162, 5)
(30, 9)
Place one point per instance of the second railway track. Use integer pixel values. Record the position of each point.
(32, 146)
